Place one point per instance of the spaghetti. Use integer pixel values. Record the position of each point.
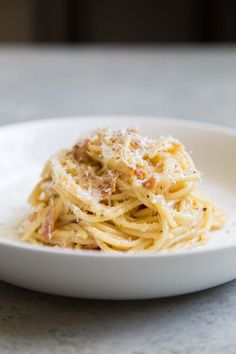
(117, 190)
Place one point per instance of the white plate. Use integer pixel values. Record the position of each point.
(23, 150)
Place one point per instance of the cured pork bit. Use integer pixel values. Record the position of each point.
(33, 216)
(108, 186)
(138, 172)
(135, 144)
(49, 223)
(150, 184)
(79, 151)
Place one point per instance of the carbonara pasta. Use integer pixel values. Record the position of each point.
(117, 190)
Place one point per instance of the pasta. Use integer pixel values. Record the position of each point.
(119, 191)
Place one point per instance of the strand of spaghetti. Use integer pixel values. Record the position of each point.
(107, 212)
(156, 203)
(144, 213)
(116, 212)
(144, 246)
(42, 212)
(159, 243)
(112, 230)
(143, 227)
(111, 240)
(202, 228)
(104, 247)
(140, 234)
(180, 193)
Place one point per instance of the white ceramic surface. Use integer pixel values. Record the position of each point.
(23, 150)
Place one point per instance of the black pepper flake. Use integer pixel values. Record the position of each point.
(204, 209)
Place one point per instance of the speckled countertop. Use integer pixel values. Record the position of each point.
(196, 83)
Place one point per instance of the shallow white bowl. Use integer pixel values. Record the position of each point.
(23, 151)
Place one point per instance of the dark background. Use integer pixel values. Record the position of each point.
(117, 21)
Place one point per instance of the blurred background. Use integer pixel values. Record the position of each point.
(131, 21)
(152, 57)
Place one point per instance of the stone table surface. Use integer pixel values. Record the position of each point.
(192, 82)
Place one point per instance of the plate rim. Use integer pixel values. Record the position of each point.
(181, 121)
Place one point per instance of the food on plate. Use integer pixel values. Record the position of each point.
(120, 191)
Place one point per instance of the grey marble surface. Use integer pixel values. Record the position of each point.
(196, 83)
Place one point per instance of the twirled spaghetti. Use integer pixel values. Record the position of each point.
(117, 190)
